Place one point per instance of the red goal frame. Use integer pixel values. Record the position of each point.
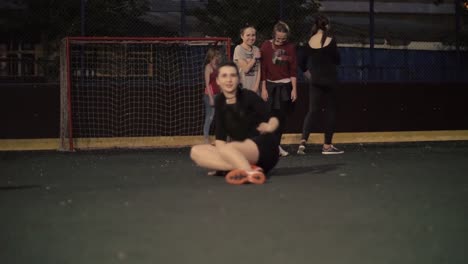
(66, 118)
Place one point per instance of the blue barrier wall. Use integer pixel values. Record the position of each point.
(399, 65)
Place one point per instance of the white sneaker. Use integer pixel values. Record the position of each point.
(331, 151)
(301, 149)
(282, 152)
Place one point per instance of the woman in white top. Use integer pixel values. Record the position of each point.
(247, 57)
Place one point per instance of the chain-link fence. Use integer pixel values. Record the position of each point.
(397, 41)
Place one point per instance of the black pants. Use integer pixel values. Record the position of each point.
(316, 93)
(279, 103)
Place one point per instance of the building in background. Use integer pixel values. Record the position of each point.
(174, 16)
(18, 51)
(397, 22)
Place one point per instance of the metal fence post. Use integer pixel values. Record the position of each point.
(457, 37)
(182, 18)
(281, 9)
(83, 18)
(371, 40)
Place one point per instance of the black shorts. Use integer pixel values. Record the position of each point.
(267, 145)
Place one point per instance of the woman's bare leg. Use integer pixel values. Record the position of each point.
(233, 155)
(240, 154)
(208, 156)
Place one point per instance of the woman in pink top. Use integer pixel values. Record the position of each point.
(211, 88)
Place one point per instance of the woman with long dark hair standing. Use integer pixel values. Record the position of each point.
(319, 64)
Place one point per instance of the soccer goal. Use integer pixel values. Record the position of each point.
(132, 92)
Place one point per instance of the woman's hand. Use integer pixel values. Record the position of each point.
(293, 95)
(264, 94)
(264, 128)
(307, 75)
(257, 55)
(268, 127)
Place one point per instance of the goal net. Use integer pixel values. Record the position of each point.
(132, 92)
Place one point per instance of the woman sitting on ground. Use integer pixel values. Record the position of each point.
(243, 116)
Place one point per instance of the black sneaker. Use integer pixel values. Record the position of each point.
(331, 150)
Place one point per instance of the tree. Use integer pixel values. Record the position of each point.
(462, 6)
(464, 25)
(116, 17)
(44, 18)
(225, 18)
(58, 18)
(48, 21)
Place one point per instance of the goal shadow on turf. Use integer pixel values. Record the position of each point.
(19, 187)
(316, 169)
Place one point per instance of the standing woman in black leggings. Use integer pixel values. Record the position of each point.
(319, 64)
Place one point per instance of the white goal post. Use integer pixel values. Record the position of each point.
(132, 92)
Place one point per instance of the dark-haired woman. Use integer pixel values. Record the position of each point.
(319, 64)
(244, 117)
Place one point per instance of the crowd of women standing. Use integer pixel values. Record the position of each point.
(256, 92)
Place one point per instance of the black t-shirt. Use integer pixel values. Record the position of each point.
(240, 120)
(321, 63)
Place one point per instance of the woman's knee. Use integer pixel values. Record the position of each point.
(195, 153)
(227, 148)
(246, 148)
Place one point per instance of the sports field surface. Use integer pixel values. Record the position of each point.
(376, 203)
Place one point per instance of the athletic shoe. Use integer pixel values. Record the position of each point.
(223, 173)
(331, 150)
(239, 177)
(301, 149)
(282, 152)
(256, 177)
(256, 168)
